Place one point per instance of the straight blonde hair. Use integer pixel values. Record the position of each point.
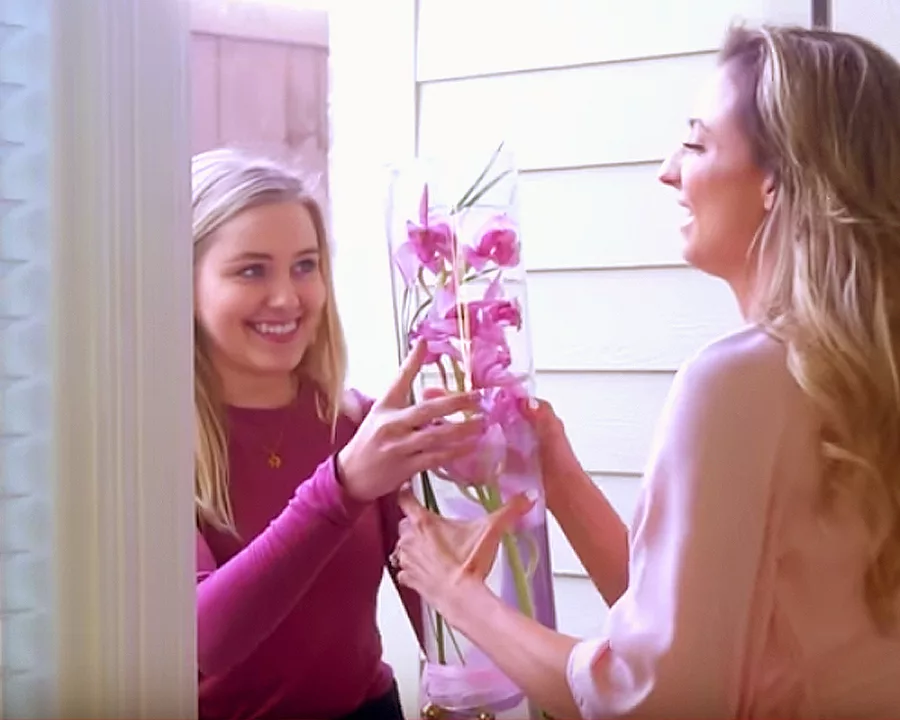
(822, 112)
(225, 183)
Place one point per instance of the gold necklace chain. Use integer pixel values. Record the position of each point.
(274, 457)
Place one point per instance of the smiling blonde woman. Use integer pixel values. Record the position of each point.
(296, 480)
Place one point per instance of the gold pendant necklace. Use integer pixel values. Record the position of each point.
(273, 455)
(275, 460)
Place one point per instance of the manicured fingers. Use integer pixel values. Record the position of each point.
(427, 411)
(434, 392)
(398, 393)
(534, 408)
(511, 512)
(500, 522)
(445, 434)
(434, 459)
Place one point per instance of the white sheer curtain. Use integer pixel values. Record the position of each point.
(96, 531)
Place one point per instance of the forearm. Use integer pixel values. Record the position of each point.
(594, 530)
(531, 655)
(244, 600)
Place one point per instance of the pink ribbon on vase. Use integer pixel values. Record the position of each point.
(473, 687)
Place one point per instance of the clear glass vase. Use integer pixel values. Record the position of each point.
(459, 282)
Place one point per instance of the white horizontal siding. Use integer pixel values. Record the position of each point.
(621, 491)
(511, 35)
(609, 417)
(574, 117)
(625, 320)
(580, 609)
(606, 216)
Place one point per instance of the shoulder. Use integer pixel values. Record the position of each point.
(724, 421)
(737, 385)
(747, 360)
(355, 405)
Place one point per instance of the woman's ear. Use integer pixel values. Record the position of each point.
(769, 188)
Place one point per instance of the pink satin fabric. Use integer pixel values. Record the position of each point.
(745, 600)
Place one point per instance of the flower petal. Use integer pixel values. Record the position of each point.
(408, 262)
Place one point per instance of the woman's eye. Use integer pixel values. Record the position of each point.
(693, 147)
(306, 266)
(252, 271)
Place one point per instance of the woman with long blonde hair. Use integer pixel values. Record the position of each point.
(760, 577)
(296, 480)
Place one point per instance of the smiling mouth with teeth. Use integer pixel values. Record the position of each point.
(276, 329)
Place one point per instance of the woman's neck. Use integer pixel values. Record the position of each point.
(746, 290)
(259, 391)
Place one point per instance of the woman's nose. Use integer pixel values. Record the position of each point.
(670, 170)
(283, 294)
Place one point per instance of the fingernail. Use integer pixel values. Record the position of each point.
(532, 495)
(533, 404)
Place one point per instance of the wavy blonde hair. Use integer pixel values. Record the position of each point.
(822, 112)
(225, 183)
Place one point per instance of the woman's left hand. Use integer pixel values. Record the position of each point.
(437, 555)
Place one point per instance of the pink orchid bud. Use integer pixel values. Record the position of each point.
(505, 312)
(498, 243)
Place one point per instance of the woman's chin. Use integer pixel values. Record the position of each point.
(689, 251)
(274, 363)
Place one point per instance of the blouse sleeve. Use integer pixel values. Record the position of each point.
(674, 641)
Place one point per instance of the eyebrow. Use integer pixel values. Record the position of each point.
(243, 257)
(696, 123)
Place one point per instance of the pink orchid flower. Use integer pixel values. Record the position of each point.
(498, 242)
(486, 321)
(438, 329)
(505, 405)
(429, 245)
(484, 465)
(489, 362)
(507, 446)
(487, 317)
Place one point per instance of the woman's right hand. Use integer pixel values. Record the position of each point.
(397, 440)
(558, 459)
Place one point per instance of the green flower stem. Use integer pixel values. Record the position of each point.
(459, 376)
(491, 501)
(467, 200)
(442, 371)
(523, 594)
(422, 283)
(439, 625)
(428, 492)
